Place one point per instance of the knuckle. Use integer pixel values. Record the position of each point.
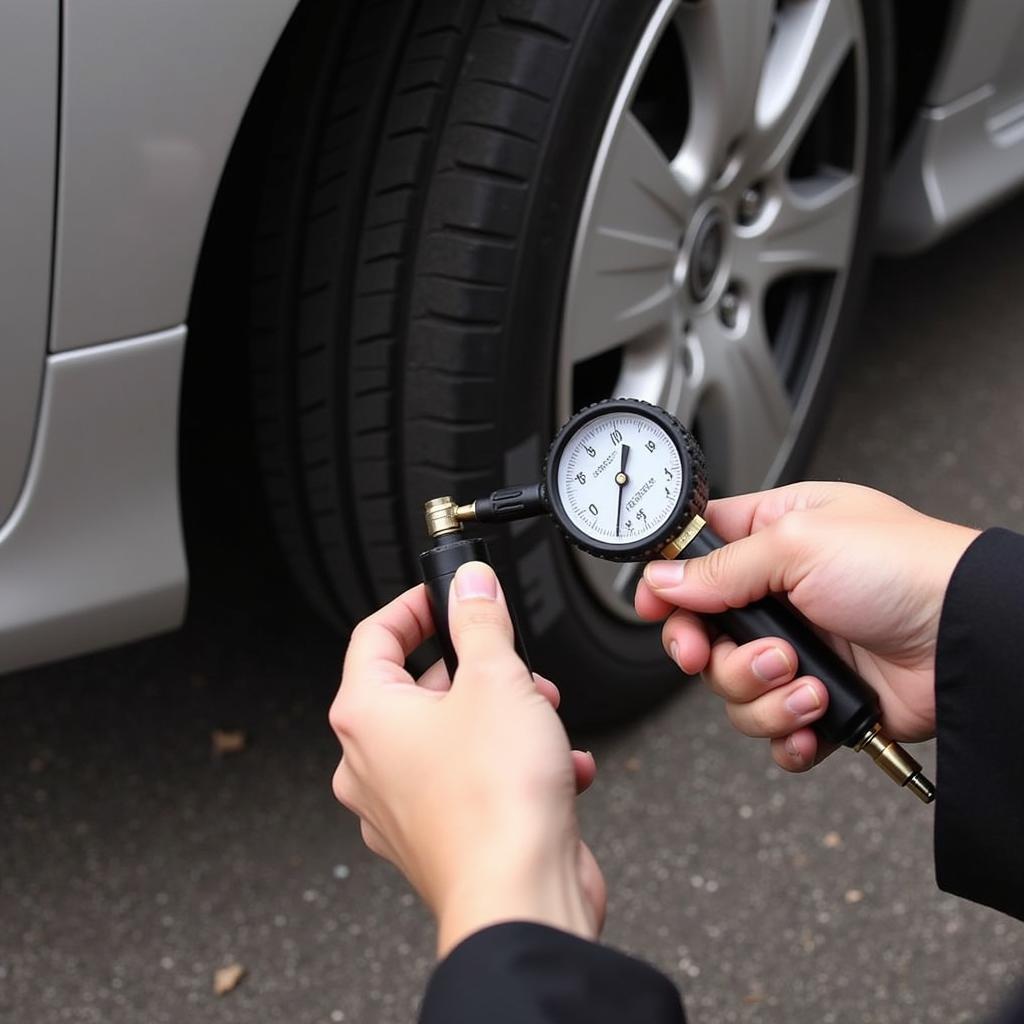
(343, 786)
(719, 571)
(753, 719)
(668, 632)
(717, 672)
(763, 718)
(341, 718)
(791, 530)
(732, 687)
(491, 665)
(371, 837)
(714, 684)
(480, 615)
(485, 625)
(712, 567)
(737, 718)
(358, 635)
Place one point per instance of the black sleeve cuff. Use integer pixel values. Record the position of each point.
(522, 973)
(979, 691)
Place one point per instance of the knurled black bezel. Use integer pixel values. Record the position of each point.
(693, 497)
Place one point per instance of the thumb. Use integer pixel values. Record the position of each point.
(478, 616)
(731, 576)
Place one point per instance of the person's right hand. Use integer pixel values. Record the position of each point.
(868, 571)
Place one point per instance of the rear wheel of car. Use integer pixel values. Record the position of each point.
(479, 216)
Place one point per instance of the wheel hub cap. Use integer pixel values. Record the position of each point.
(706, 255)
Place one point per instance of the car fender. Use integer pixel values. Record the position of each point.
(153, 94)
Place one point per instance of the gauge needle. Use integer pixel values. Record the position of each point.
(621, 479)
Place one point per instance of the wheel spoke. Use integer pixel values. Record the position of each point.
(812, 230)
(621, 285)
(649, 369)
(811, 42)
(745, 403)
(725, 43)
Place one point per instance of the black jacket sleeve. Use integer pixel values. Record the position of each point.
(979, 690)
(521, 973)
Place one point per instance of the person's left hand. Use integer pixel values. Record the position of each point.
(468, 790)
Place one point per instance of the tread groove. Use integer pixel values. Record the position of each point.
(535, 29)
(498, 129)
(513, 87)
(475, 234)
(482, 173)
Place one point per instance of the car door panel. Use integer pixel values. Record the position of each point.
(154, 95)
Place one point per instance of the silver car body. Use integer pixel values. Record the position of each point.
(116, 119)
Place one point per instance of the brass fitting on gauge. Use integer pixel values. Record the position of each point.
(896, 763)
(444, 516)
(675, 547)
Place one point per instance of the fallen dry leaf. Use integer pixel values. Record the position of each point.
(227, 978)
(753, 999)
(227, 741)
(831, 840)
(853, 896)
(632, 764)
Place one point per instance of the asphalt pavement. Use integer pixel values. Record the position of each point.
(135, 860)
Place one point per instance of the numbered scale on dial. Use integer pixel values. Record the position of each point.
(624, 478)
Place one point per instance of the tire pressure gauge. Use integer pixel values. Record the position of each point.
(623, 479)
(626, 481)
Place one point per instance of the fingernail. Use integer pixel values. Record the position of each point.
(476, 580)
(664, 574)
(772, 665)
(791, 749)
(673, 651)
(803, 701)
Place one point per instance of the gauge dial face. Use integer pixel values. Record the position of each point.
(620, 478)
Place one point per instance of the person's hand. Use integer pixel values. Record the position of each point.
(468, 790)
(868, 571)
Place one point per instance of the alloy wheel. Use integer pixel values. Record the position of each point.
(717, 231)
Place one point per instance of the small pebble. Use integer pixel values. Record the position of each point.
(227, 978)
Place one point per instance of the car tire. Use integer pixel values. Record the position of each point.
(421, 210)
